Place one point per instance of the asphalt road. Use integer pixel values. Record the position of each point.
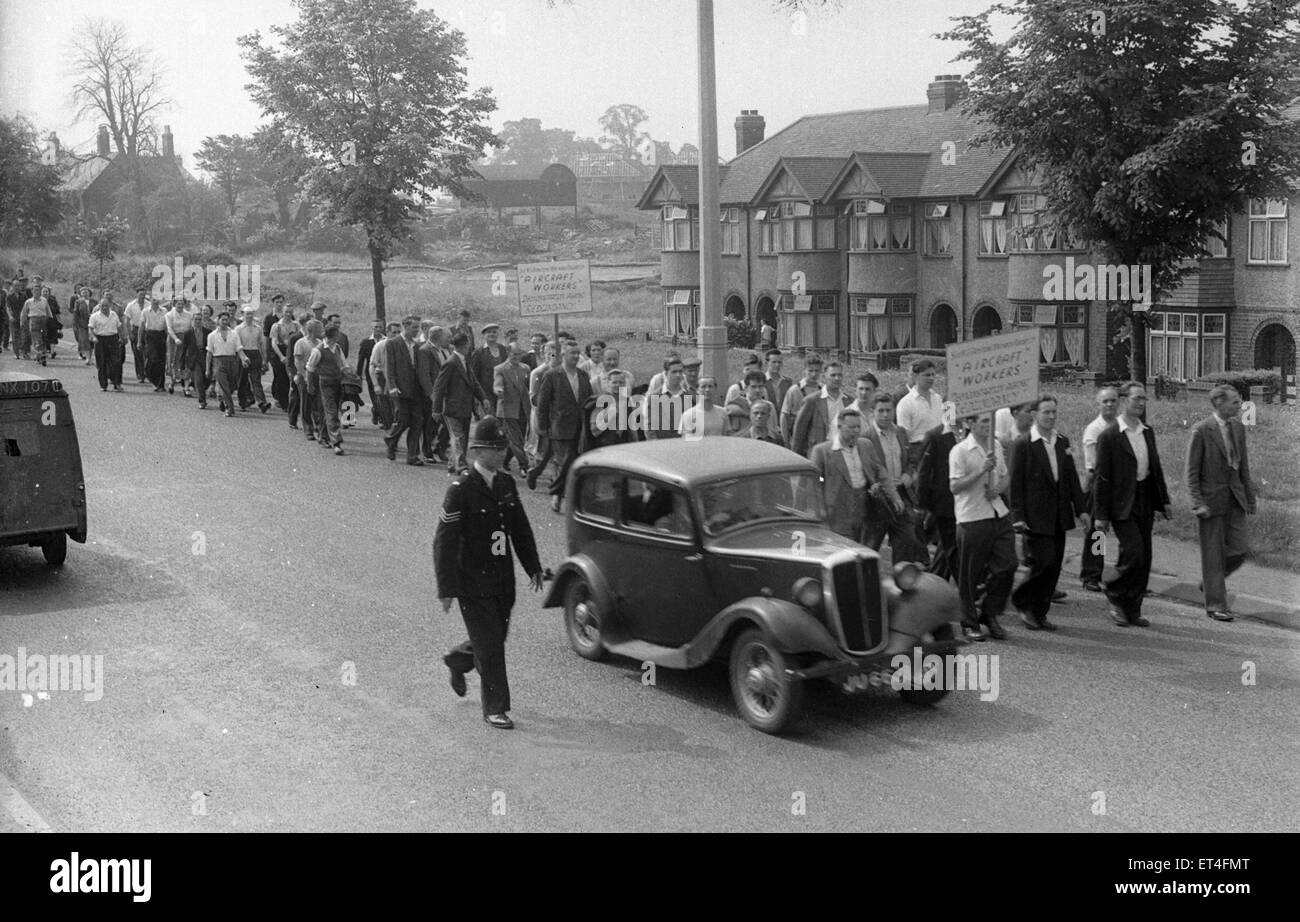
(237, 575)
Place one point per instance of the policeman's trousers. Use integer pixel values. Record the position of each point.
(487, 621)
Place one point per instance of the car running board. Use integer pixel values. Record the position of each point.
(668, 657)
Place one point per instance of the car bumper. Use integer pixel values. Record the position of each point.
(835, 670)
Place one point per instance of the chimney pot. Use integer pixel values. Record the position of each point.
(945, 92)
(102, 141)
(750, 128)
(169, 150)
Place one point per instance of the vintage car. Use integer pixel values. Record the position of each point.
(682, 551)
(42, 490)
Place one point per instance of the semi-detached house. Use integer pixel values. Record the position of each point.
(875, 232)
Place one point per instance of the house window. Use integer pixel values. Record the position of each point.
(1267, 219)
(731, 231)
(1034, 228)
(806, 227)
(1215, 247)
(879, 322)
(809, 321)
(1062, 331)
(880, 226)
(768, 220)
(993, 228)
(681, 311)
(681, 228)
(1187, 346)
(938, 229)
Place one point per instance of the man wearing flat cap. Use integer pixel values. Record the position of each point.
(481, 519)
(484, 360)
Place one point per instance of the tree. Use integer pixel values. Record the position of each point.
(121, 85)
(281, 165)
(1149, 123)
(526, 144)
(29, 199)
(375, 91)
(231, 160)
(102, 240)
(623, 134)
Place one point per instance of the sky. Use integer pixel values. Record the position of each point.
(564, 65)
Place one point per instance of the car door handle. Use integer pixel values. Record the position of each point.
(694, 558)
(740, 566)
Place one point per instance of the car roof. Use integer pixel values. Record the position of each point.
(695, 461)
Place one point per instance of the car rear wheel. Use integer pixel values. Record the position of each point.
(582, 620)
(765, 695)
(55, 549)
(929, 695)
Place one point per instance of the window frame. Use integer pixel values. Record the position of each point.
(992, 215)
(1067, 315)
(929, 221)
(900, 310)
(865, 215)
(1260, 214)
(1161, 339)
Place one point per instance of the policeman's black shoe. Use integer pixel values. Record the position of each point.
(1220, 615)
(500, 721)
(1139, 621)
(1059, 595)
(996, 630)
(1029, 620)
(457, 682)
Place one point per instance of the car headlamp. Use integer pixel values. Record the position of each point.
(807, 592)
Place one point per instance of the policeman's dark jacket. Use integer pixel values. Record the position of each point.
(473, 513)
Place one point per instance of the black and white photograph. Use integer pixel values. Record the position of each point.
(376, 378)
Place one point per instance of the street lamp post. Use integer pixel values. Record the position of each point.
(712, 332)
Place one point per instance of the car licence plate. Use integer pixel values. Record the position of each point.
(861, 681)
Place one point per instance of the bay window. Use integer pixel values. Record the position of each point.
(1267, 223)
(876, 225)
(1062, 330)
(731, 231)
(938, 229)
(681, 228)
(681, 311)
(809, 321)
(880, 322)
(993, 228)
(1186, 346)
(806, 227)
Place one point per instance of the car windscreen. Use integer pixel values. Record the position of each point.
(759, 496)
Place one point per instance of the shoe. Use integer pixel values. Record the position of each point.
(171, 389)
(429, 459)
(311, 438)
(555, 503)
(104, 389)
(338, 449)
(996, 630)
(1091, 585)
(531, 480)
(457, 682)
(264, 407)
(1220, 615)
(391, 450)
(230, 414)
(1059, 595)
(1046, 625)
(1139, 621)
(415, 462)
(1029, 620)
(1118, 617)
(203, 406)
(500, 721)
(293, 427)
(972, 633)
(117, 387)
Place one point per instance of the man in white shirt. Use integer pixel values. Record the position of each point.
(752, 363)
(134, 314)
(986, 547)
(106, 327)
(153, 342)
(810, 383)
(864, 395)
(921, 409)
(223, 361)
(850, 472)
(659, 377)
(705, 418)
(180, 320)
(1092, 564)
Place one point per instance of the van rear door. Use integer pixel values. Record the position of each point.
(42, 489)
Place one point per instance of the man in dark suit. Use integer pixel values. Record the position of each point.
(1045, 500)
(364, 351)
(1218, 481)
(560, 412)
(481, 519)
(457, 397)
(404, 394)
(934, 496)
(484, 360)
(510, 385)
(428, 362)
(890, 442)
(1129, 489)
(814, 422)
(851, 471)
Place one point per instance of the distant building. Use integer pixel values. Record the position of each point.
(609, 178)
(896, 237)
(519, 198)
(93, 183)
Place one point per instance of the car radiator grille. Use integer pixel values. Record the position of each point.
(857, 599)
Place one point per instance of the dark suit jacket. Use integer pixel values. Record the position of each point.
(1210, 482)
(1046, 506)
(455, 391)
(363, 356)
(776, 391)
(483, 362)
(838, 489)
(813, 424)
(1116, 482)
(558, 414)
(466, 558)
(512, 400)
(400, 368)
(932, 490)
(428, 362)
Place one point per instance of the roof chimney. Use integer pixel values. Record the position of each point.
(750, 127)
(944, 93)
(101, 141)
(52, 148)
(169, 150)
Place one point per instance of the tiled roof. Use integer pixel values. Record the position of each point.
(814, 174)
(685, 181)
(82, 173)
(610, 166)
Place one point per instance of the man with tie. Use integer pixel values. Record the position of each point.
(510, 385)
(456, 398)
(404, 395)
(1091, 565)
(1130, 488)
(560, 411)
(1045, 500)
(815, 421)
(429, 356)
(850, 472)
(890, 442)
(484, 360)
(1218, 481)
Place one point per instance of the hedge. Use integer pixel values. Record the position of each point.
(1243, 381)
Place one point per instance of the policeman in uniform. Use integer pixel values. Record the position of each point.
(481, 517)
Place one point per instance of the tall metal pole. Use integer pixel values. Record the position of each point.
(712, 332)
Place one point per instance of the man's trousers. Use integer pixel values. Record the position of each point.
(1043, 555)
(487, 621)
(986, 551)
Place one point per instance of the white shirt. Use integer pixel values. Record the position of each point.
(1004, 425)
(223, 347)
(852, 460)
(918, 415)
(890, 449)
(1139, 445)
(102, 324)
(703, 419)
(971, 505)
(134, 310)
(1036, 435)
(1225, 430)
(1091, 433)
(178, 323)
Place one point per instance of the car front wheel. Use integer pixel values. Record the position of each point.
(765, 695)
(582, 620)
(55, 549)
(929, 695)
